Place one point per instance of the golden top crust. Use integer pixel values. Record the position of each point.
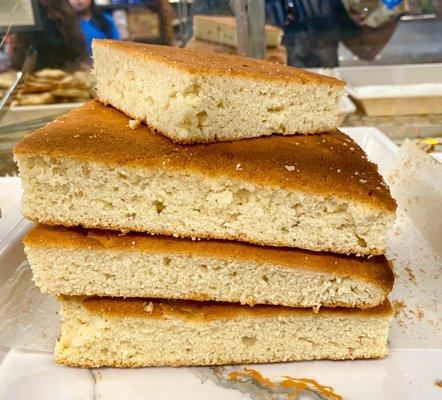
(208, 63)
(375, 270)
(211, 311)
(228, 21)
(329, 164)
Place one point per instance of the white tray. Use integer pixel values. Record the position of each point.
(395, 89)
(409, 372)
(16, 114)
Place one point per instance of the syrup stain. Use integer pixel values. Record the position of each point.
(292, 387)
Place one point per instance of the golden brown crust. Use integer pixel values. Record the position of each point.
(326, 164)
(209, 311)
(208, 63)
(375, 270)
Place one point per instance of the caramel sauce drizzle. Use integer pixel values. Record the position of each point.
(296, 385)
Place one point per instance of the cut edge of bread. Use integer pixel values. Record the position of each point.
(93, 265)
(214, 208)
(182, 333)
(205, 105)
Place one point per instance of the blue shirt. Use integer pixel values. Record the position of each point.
(92, 31)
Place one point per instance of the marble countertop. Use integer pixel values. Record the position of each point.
(404, 374)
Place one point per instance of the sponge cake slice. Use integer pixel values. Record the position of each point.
(103, 263)
(98, 332)
(194, 96)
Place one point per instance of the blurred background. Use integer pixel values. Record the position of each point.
(389, 52)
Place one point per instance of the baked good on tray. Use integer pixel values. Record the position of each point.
(74, 261)
(194, 96)
(317, 192)
(101, 331)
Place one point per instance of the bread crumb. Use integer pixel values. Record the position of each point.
(149, 307)
(134, 123)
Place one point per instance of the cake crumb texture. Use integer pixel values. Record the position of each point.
(199, 97)
(107, 332)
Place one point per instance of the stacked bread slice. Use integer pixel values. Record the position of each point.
(219, 34)
(268, 248)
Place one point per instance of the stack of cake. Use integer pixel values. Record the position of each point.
(253, 250)
(219, 34)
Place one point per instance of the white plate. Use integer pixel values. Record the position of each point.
(409, 372)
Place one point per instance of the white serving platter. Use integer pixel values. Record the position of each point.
(409, 372)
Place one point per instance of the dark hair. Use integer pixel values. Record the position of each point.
(64, 17)
(59, 43)
(99, 20)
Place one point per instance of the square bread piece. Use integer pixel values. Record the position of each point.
(102, 263)
(222, 30)
(316, 192)
(194, 96)
(101, 331)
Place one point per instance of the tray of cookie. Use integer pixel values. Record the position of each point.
(45, 93)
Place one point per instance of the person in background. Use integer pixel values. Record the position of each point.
(314, 28)
(274, 10)
(94, 23)
(59, 42)
(312, 31)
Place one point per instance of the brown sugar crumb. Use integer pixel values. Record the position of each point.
(438, 383)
